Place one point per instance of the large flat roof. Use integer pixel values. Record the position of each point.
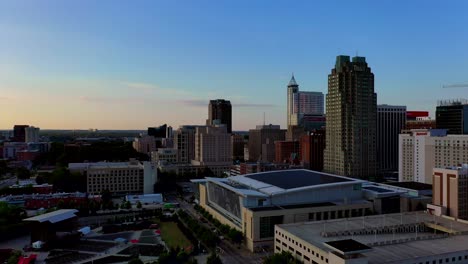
(54, 217)
(290, 179)
(391, 247)
(284, 181)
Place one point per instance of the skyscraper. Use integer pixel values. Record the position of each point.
(351, 127)
(301, 104)
(453, 116)
(293, 88)
(220, 112)
(391, 119)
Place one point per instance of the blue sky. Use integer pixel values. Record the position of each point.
(134, 64)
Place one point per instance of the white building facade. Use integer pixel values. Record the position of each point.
(422, 150)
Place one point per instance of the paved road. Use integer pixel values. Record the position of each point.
(229, 253)
(7, 182)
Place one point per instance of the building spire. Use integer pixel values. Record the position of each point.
(292, 82)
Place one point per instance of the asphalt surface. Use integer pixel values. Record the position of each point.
(229, 253)
(7, 182)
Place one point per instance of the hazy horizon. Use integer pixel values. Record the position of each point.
(115, 65)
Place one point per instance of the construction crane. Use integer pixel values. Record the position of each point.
(457, 85)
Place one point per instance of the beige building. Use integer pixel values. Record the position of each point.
(31, 134)
(118, 177)
(164, 155)
(450, 192)
(409, 238)
(422, 150)
(184, 142)
(261, 145)
(212, 146)
(255, 203)
(145, 144)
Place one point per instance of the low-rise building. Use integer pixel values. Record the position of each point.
(132, 177)
(145, 144)
(166, 155)
(255, 203)
(407, 238)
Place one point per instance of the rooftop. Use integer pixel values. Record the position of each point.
(264, 184)
(104, 165)
(386, 235)
(54, 217)
(290, 179)
(347, 246)
(411, 185)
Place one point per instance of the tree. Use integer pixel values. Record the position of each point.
(106, 199)
(14, 257)
(23, 173)
(135, 261)
(213, 259)
(139, 205)
(281, 258)
(40, 179)
(126, 205)
(235, 235)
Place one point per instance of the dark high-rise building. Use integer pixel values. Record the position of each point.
(158, 132)
(19, 133)
(220, 112)
(351, 128)
(453, 116)
(391, 119)
(312, 147)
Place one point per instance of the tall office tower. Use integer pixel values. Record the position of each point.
(184, 142)
(351, 120)
(424, 149)
(453, 115)
(391, 119)
(31, 134)
(212, 146)
(262, 142)
(301, 104)
(19, 133)
(220, 112)
(293, 88)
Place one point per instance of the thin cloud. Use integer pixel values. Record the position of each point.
(112, 100)
(152, 88)
(194, 102)
(254, 105)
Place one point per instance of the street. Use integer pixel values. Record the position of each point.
(229, 253)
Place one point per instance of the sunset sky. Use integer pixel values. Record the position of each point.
(134, 64)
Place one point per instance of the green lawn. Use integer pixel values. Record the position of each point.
(172, 235)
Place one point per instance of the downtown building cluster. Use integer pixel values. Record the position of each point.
(355, 143)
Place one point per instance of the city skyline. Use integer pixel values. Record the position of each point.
(113, 65)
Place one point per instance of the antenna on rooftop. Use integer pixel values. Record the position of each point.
(263, 118)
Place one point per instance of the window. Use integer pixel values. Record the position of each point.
(267, 225)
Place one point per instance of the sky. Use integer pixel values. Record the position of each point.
(134, 64)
